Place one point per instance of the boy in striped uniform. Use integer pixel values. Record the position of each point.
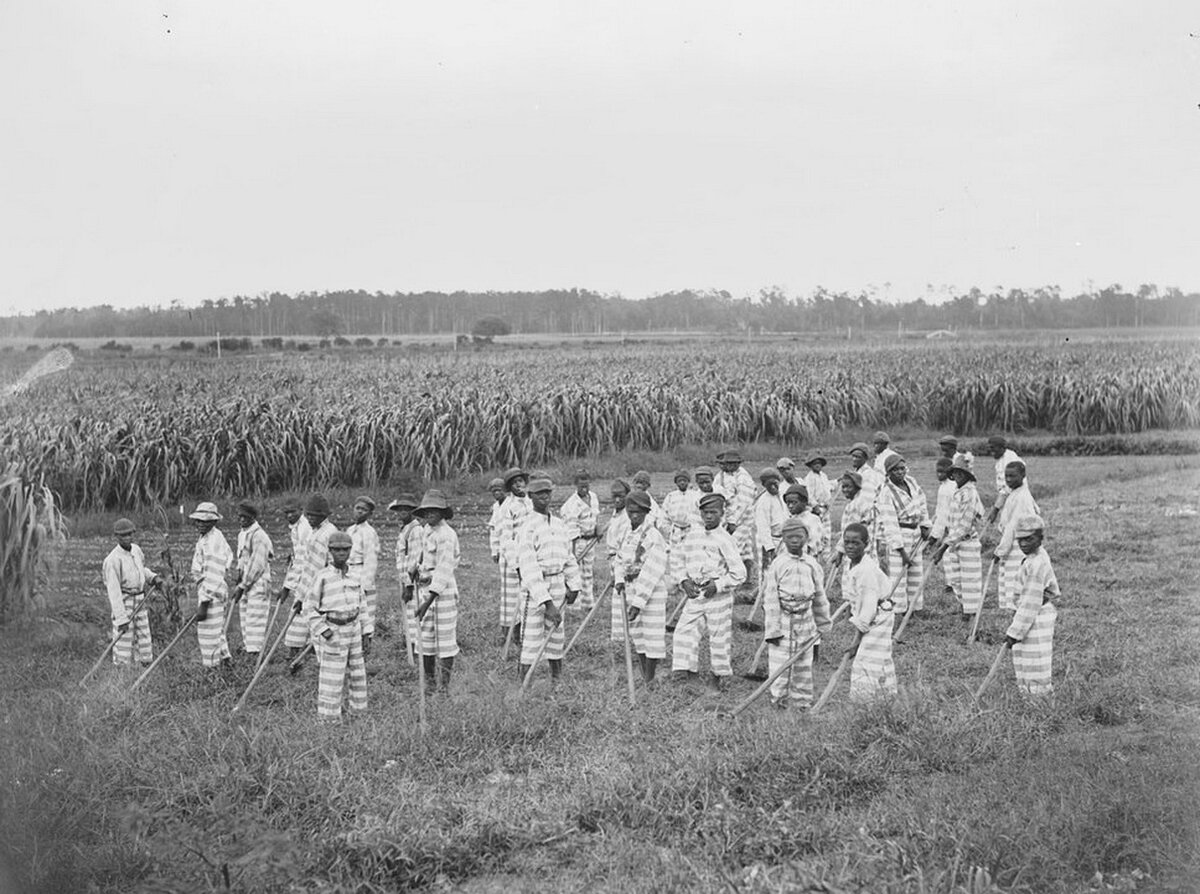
(736, 485)
(796, 500)
(640, 572)
(714, 570)
(513, 512)
(550, 576)
(770, 512)
(872, 615)
(333, 606)
(960, 546)
(872, 481)
(437, 591)
(948, 445)
(883, 452)
(787, 471)
(820, 492)
(1004, 456)
(408, 552)
(125, 579)
(681, 510)
(904, 520)
(581, 512)
(941, 515)
(210, 560)
(859, 508)
(299, 530)
(254, 554)
(794, 607)
(1018, 503)
(364, 558)
(496, 488)
(1031, 633)
(316, 556)
(618, 525)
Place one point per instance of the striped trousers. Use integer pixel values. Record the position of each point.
(252, 617)
(743, 536)
(585, 556)
(796, 684)
(340, 653)
(533, 624)
(713, 616)
(297, 633)
(967, 575)
(1033, 656)
(872, 673)
(1009, 586)
(211, 635)
(438, 630)
(370, 607)
(408, 611)
(648, 633)
(136, 640)
(913, 586)
(510, 593)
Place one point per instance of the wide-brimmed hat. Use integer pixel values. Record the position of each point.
(206, 512)
(769, 474)
(640, 499)
(539, 485)
(785, 462)
(1028, 524)
(406, 501)
(495, 482)
(435, 499)
(960, 465)
(123, 526)
(340, 539)
(318, 505)
(514, 472)
(815, 457)
(892, 461)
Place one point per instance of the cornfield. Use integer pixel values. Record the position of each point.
(30, 525)
(139, 433)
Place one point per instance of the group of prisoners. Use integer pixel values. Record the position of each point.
(717, 538)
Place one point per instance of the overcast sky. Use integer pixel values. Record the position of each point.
(159, 151)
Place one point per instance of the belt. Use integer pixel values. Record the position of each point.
(546, 572)
(340, 619)
(908, 524)
(125, 592)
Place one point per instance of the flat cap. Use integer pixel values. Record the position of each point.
(769, 474)
(123, 526)
(641, 477)
(794, 524)
(853, 477)
(730, 456)
(206, 512)
(997, 441)
(435, 499)
(640, 499)
(859, 445)
(798, 489)
(622, 484)
(340, 539)
(892, 461)
(944, 464)
(247, 508)
(706, 470)
(318, 505)
(682, 473)
(494, 483)
(365, 500)
(882, 436)
(948, 439)
(540, 485)
(712, 501)
(1029, 524)
(513, 473)
(785, 462)
(815, 457)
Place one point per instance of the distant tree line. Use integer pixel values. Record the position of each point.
(582, 312)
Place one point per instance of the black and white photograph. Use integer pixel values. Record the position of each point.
(551, 446)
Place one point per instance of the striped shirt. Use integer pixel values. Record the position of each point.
(681, 510)
(439, 559)
(713, 556)
(872, 481)
(738, 489)
(1017, 504)
(965, 515)
(298, 534)
(408, 551)
(210, 560)
(899, 509)
(820, 489)
(618, 526)
(254, 554)
(793, 586)
(642, 554)
(513, 512)
(494, 530)
(334, 590)
(770, 512)
(1009, 456)
(881, 458)
(125, 574)
(581, 514)
(1036, 582)
(364, 552)
(816, 532)
(861, 510)
(545, 552)
(316, 557)
(866, 588)
(941, 512)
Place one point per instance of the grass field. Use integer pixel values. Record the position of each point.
(572, 790)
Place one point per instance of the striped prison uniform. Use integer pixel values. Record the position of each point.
(493, 526)
(941, 510)
(901, 516)
(770, 512)
(872, 614)
(210, 560)
(513, 513)
(618, 527)
(1033, 624)
(581, 516)
(881, 458)
(640, 568)
(681, 512)
(794, 606)
(961, 562)
(1002, 489)
(408, 558)
(364, 557)
(298, 534)
(125, 579)
(820, 498)
(965, 457)
(815, 545)
(1017, 504)
(739, 490)
(334, 604)
(435, 574)
(708, 556)
(548, 570)
(315, 557)
(861, 510)
(872, 481)
(254, 554)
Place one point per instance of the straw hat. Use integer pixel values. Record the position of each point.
(206, 512)
(434, 499)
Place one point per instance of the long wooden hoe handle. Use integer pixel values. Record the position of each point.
(992, 671)
(537, 659)
(187, 625)
(262, 665)
(587, 618)
(113, 642)
(912, 603)
(833, 681)
(987, 579)
(628, 650)
(754, 696)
